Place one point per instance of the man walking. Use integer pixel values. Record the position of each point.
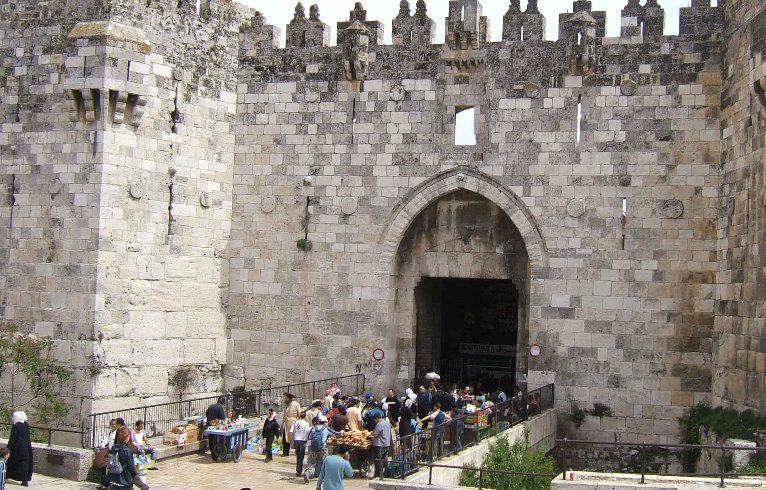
(334, 469)
(270, 430)
(381, 441)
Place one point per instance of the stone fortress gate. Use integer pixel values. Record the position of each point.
(187, 207)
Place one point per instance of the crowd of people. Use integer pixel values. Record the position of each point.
(118, 447)
(306, 430)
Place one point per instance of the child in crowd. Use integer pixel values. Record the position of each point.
(4, 455)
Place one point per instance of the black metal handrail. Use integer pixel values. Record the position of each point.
(161, 417)
(643, 446)
(480, 470)
(428, 445)
(49, 431)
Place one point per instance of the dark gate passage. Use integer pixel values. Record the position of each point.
(467, 328)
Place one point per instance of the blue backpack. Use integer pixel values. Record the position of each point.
(316, 439)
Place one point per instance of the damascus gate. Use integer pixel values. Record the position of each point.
(188, 189)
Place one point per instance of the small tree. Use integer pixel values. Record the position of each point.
(516, 457)
(29, 376)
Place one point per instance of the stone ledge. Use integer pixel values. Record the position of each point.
(60, 461)
(165, 451)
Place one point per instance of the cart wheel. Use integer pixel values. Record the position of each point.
(237, 453)
(218, 452)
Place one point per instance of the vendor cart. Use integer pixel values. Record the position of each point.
(230, 441)
(361, 457)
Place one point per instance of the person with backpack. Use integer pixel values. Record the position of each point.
(369, 417)
(318, 446)
(438, 418)
(269, 432)
(120, 468)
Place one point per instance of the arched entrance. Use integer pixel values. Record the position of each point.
(464, 272)
(459, 253)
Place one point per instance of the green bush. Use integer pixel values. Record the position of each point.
(723, 422)
(515, 457)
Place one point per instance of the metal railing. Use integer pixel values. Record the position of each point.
(645, 448)
(42, 435)
(480, 472)
(436, 442)
(161, 417)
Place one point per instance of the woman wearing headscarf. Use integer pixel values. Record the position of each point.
(20, 445)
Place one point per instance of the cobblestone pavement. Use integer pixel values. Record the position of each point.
(200, 472)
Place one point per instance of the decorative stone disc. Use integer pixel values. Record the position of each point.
(531, 90)
(673, 208)
(136, 190)
(268, 204)
(312, 95)
(178, 74)
(576, 208)
(628, 87)
(55, 187)
(397, 93)
(348, 205)
(205, 200)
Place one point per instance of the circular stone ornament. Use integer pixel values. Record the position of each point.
(531, 90)
(136, 190)
(312, 95)
(178, 74)
(55, 187)
(397, 93)
(268, 204)
(576, 208)
(348, 205)
(628, 87)
(205, 199)
(673, 208)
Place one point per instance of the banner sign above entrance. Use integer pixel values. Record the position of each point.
(488, 349)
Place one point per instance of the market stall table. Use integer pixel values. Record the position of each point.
(231, 440)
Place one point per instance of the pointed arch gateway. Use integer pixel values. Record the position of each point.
(457, 256)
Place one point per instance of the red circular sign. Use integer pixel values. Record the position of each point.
(535, 350)
(378, 354)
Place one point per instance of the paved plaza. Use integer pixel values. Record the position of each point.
(199, 472)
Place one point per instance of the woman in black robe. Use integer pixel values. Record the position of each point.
(20, 445)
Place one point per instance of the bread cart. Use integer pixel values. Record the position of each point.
(362, 453)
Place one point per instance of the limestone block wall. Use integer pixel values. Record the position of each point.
(622, 303)
(122, 159)
(740, 351)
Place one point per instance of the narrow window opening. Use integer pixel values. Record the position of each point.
(353, 120)
(462, 12)
(624, 220)
(579, 38)
(465, 131)
(13, 200)
(171, 173)
(522, 33)
(642, 25)
(127, 76)
(579, 118)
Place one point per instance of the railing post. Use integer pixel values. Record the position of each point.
(723, 463)
(430, 472)
(481, 478)
(643, 461)
(564, 458)
(50, 437)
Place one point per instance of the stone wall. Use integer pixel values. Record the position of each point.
(180, 194)
(117, 169)
(740, 347)
(623, 305)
